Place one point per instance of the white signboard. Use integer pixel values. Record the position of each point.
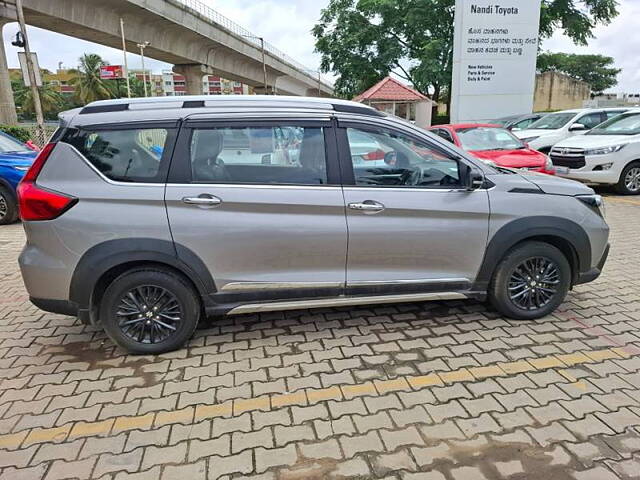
(22, 58)
(494, 58)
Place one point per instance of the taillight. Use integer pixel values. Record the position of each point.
(37, 203)
(375, 155)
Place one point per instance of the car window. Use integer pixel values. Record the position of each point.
(552, 121)
(265, 155)
(406, 162)
(10, 144)
(127, 155)
(442, 133)
(613, 113)
(488, 138)
(626, 124)
(590, 120)
(522, 124)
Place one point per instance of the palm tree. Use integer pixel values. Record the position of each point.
(50, 99)
(89, 85)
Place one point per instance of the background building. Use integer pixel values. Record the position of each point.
(557, 91)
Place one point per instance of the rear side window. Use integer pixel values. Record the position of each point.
(125, 155)
(263, 155)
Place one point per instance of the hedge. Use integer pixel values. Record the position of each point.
(20, 133)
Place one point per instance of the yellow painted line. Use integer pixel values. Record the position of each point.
(211, 411)
(519, 366)
(361, 390)
(324, 394)
(309, 396)
(621, 200)
(140, 422)
(247, 405)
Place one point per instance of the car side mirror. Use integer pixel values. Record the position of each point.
(577, 127)
(475, 179)
(390, 158)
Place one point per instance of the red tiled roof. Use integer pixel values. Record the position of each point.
(390, 89)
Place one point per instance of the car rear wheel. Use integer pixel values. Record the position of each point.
(8, 207)
(531, 281)
(149, 311)
(629, 183)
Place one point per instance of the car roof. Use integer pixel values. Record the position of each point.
(180, 107)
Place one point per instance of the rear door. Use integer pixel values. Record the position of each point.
(412, 226)
(259, 202)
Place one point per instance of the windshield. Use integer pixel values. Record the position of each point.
(488, 138)
(9, 144)
(628, 124)
(552, 121)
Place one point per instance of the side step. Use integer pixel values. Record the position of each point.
(342, 301)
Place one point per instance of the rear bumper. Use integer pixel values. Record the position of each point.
(62, 307)
(591, 275)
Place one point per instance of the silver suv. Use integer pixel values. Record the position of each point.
(146, 215)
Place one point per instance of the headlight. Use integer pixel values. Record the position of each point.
(529, 139)
(605, 150)
(548, 165)
(595, 202)
(22, 169)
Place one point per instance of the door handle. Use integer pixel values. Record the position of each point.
(368, 206)
(204, 200)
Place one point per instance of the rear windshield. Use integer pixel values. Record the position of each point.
(125, 155)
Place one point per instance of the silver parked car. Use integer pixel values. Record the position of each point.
(145, 215)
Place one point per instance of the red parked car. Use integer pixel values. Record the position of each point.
(495, 144)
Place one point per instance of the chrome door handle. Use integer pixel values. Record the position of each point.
(367, 206)
(203, 200)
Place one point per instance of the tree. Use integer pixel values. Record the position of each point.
(89, 85)
(50, 99)
(596, 70)
(362, 41)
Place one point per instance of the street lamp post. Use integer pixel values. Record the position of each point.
(124, 53)
(142, 46)
(32, 73)
(264, 62)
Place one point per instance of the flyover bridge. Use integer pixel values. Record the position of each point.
(193, 37)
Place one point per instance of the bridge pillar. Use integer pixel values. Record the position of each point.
(7, 104)
(193, 74)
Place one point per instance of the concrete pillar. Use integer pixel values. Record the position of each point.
(423, 113)
(7, 104)
(193, 76)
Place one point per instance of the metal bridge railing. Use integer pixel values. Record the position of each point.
(216, 17)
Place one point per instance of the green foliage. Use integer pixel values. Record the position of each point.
(440, 120)
(20, 133)
(50, 99)
(89, 85)
(596, 70)
(362, 41)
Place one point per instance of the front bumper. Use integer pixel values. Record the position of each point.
(587, 174)
(594, 273)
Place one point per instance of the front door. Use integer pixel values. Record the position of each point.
(411, 223)
(260, 203)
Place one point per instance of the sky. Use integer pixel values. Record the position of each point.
(287, 24)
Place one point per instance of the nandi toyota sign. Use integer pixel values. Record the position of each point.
(494, 58)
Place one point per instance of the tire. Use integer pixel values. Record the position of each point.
(510, 273)
(146, 331)
(629, 183)
(8, 206)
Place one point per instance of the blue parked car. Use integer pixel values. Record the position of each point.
(15, 160)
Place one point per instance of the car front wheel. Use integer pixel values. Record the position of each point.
(149, 311)
(8, 207)
(629, 183)
(531, 281)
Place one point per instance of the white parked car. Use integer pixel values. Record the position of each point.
(555, 127)
(607, 155)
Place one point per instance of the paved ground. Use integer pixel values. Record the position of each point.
(418, 391)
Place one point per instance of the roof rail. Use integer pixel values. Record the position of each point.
(231, 101)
